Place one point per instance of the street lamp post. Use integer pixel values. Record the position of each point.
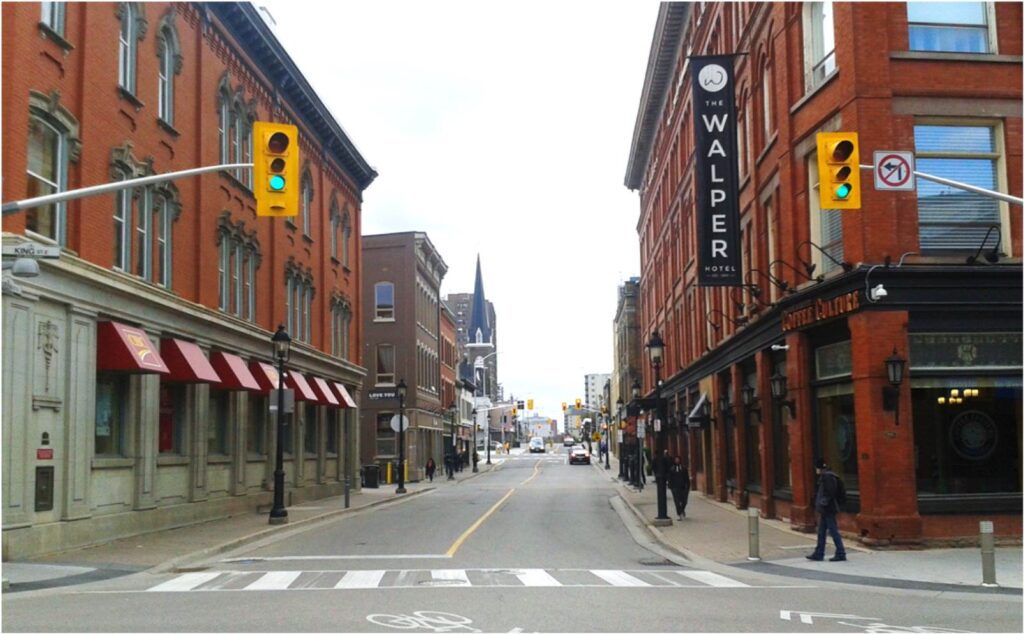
(636, 435)
(401, 436)
(619, 434)
(656, 348)
(473, 457)
(450, 454)
(607, 444)
(282, 345)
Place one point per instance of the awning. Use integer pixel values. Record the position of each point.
(234, 375)
(126, 349)
(265, 375)
(297, 382)
(186, 362)
(343, 395)
(323, 391)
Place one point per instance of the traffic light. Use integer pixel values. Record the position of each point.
(838, 170)
(529, 404)
(564, 406)
(579, 402)
(514, 410)
(275, 167)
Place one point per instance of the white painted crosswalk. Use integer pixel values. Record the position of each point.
(232, 580)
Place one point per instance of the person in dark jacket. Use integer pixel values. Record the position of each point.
(431, 467)
(679, 482)
(826, 506)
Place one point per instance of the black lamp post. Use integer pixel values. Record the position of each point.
(619, 425)
(401, 436)
(607, 441)
(894, 366)
(473, 456)
(450, 453)
(636, 435)
(656, 350)
(282, 345)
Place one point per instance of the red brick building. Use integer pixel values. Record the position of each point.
(943, 81)
(184, 271)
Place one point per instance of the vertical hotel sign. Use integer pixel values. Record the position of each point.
(714, 113)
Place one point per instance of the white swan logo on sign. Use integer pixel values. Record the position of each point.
(712, 78)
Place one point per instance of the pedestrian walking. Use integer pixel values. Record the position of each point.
(431, 467)
(449, 464)
(679, 482)
(829, 494)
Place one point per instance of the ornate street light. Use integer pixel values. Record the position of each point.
(401, 389)
(282, 347)
(656, 350)
(894, 366)
(619, 426)
(779, 390)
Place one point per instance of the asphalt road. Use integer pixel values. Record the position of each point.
(534, 546)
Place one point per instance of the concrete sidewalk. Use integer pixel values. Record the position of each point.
(719, 532)
(177, 548)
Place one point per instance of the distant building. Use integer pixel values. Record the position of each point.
(402, 274)
(594, 389)
(476, 334)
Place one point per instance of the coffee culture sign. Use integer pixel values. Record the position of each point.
(820, 310)
(714, 112)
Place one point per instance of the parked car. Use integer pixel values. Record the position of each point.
(495, 447)
(536, 445)
(579, 455)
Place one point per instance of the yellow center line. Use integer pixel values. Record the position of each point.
(536, 470)
(469, 531)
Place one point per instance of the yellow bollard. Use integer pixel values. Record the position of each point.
(389, 473)
(405, 468)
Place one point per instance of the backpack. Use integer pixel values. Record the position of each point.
(840, 491)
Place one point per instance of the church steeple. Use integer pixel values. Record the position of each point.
(479, 324)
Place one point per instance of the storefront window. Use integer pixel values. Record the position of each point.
(172, 418)
(836, 429)
(217, 424)
(385, 435)
(309, 443)
(753, 431)
(332, 429)
(256, 435)
(111, 407)
(728, 413)
(967, 438)
(780, 439)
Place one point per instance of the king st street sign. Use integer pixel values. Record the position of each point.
(31, 250)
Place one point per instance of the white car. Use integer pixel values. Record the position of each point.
(579, 454)
(537, 445)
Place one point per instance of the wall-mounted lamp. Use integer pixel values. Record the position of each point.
(724, 406)
(779, 391)
(780, 284)
(739, 321)
(795, 270)
(810, 266)
(894, 366)
(750, 401)
(991, 256)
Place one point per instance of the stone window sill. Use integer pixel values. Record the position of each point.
(130, 98)
(169, 460)
(948, 56)
(58, 39)
(112, 462)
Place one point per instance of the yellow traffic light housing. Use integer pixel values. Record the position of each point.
(514, 411)
(275, 166)
(529, 404)
(564, 406)
(838, 170)
(579, 402)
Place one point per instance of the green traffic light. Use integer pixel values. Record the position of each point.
(276, 183)
(843, 191)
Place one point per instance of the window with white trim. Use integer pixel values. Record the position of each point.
(299, 294)
(346, 237)
(142, 221)
(766, 102)
(234, 129)
(956, 27)
(335, 226)
(819, 43)
(826, 224)
(952, 220)
(306, 202)
(169, 63)
(384, 300)
(385, 364)
(53, 16)
(341, 322)
(133, 27)
(239, 257)
(47, 174)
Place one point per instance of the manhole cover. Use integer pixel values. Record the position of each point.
(657, 562)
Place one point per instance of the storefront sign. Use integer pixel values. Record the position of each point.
(44, 454)
(718, 217)
(965, 350)
(820, 310)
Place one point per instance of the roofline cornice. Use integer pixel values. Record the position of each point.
(668, 35)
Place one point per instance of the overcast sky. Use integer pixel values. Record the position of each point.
(501, 129)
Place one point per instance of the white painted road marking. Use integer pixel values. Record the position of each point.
(712, 579)
(185, 582)
(808, 617)
(537, 577)
(360, 579)
(277, 580)
(620, 578)
(450, 575)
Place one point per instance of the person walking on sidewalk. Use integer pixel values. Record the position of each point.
(431, 467)
(828, 508)
(449, 464)
(679, 482)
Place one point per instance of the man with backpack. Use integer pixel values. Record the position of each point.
(830, 494)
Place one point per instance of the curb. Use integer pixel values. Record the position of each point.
(180, 561)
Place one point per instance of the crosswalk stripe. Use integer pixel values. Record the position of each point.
(185, 582)
(712, 578)
(277, 580)
(620, 578)
(445, 574)
(536, 577)
(360, 579)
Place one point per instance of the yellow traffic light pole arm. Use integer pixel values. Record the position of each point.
(84, 192)
(964, 186)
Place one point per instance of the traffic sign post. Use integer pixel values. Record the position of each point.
(395, 423)
(894, 171)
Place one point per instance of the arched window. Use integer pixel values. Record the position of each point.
(52, 145)
(133, 28)
(335, 226)
(346, 237)
(168, 52)
(239, 259)
(766, 101)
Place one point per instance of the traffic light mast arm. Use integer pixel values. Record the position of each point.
(964, 186)
(84, 192)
